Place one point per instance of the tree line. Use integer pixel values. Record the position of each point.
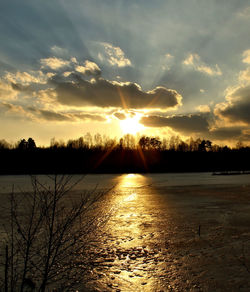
(127, 142)
(101, 154)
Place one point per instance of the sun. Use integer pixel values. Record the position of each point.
(131, 125)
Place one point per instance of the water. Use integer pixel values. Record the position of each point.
(102, 181)
(151, 241)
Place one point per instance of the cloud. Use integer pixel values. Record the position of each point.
(203, 108)
(54, 63)
(90, 117)
(226, 133)
(59, 51)
(10, 108)
(245, 13)
(49, 115)
(120, 116)
(246, 57)
(50, 94)
(66, 73)
(28, 81)
(197, 124)
(89, 68)
(103, 93)
(113, 55)
(7, 92)
(194, 61)
(7, 106)
(46, 96)
(26, 78)
(32, 113)
(193, 123)
(38, 114)
(236, 108)
(245, 75)
(169, 56)
(21, 88)
(167, 62)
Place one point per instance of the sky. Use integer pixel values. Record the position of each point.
(157, 68)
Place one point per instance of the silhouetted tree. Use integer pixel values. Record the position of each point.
(98, 140)
(54, 143)
(48, 235)
(4, 144)
(81, 143)
(155, 143)
(88, 140)
(182, 147)
(121, 143)
(164, 144)
(31, 144)
(129, 141)
(226, 149)
(22, 145)
(144, 142)
(205, 145)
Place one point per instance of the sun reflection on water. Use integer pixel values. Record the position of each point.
(131, 197)
(130, 230)
(131, 180)
(131, 175)
(130, 249)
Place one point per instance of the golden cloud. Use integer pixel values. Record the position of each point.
(114, 56)
(54, 63)
(26, 78)
(194, 61)
(7, 92)
(246, 57)
(203, 108)
(89, 68)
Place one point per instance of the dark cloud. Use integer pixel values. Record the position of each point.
(48, 115)
(195, 124)
(53, 116)
(183, 123)
(237, 108)
(64, 117)
(120, 116)
(8, 106)
(104, 93)
(226, 133)
(84, 117)
(32, 113)
(20, 87)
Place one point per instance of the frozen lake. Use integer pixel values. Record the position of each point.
(22, 182)
(167, 232)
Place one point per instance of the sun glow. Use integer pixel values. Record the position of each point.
(131, 125)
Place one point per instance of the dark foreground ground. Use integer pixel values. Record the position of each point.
(194, 238)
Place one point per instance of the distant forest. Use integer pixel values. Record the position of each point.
(101, 154)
